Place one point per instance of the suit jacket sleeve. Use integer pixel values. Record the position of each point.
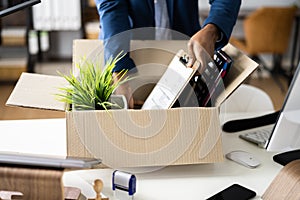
(113, 20)
(223, 13)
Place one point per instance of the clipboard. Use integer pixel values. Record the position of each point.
(172, 83)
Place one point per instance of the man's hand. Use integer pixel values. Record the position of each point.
(203, 39)
(124, 89)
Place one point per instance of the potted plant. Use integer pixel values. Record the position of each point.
(92, 89)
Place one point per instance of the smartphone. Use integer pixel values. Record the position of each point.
(234, 192)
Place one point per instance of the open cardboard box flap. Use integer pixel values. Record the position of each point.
(37, 91)
(84, 127)
(41, 92)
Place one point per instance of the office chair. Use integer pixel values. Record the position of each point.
(248, 99)
(268, 30)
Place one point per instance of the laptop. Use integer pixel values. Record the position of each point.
(45, 161)
(284, 134)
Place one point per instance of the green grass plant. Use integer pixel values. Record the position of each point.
(93, 87)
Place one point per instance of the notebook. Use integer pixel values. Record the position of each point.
(34, 160)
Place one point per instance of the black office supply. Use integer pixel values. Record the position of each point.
(205, 87)
(287, 157)
(248, 123)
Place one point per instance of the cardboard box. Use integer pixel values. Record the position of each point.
(132, 138)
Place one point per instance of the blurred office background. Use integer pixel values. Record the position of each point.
(40, 39)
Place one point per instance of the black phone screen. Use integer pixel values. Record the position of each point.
(234, 192)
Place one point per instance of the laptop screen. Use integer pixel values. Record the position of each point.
(10, 6)
(286, 133)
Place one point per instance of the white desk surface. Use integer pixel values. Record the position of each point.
(47, 136)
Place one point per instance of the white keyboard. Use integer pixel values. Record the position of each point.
(259, 136)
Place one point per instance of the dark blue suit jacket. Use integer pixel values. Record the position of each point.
(117, 16)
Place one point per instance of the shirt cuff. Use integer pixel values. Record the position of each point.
(220, 37)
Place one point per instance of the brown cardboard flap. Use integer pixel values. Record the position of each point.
(37, 91)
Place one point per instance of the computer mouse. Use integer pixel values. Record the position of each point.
(243, 158)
